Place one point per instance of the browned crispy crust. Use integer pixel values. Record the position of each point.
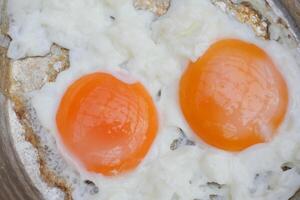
(4, 72)
(159, 7)
(247, 14)
(15, 93)
(4, 19)
(47, 175)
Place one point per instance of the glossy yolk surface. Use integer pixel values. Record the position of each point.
(233, 96)
(107, 124)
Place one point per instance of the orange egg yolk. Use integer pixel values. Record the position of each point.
(106, 124)
(233, 96)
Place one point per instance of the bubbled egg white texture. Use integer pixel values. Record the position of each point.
(111, 36)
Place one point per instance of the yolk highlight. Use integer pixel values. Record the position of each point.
(107, 124)
(233, 96)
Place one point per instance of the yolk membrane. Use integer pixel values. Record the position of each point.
(107, 124)
(233, 96)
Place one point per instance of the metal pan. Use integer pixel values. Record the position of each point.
(15, 183)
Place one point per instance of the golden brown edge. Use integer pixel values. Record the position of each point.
(20, 108)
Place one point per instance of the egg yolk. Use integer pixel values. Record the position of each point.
(107, 124)
(233, 96)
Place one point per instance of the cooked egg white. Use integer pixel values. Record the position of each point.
(111, 36)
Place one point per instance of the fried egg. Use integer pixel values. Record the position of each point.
(190, 105)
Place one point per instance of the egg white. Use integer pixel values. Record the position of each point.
(155, 51)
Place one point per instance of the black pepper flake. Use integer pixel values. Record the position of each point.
(93, 189)
(286, 167)
(88, 182)
(182, 140)
(181, 132)
(214, 184)
(159, 94)
(174, 145)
